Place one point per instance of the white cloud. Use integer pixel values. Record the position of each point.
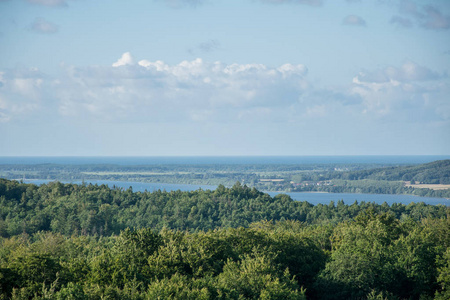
(40, 25)
(354, 20)
(215, 92)
(289, 69)
(125, 59)
(153, 91)
(158, 65)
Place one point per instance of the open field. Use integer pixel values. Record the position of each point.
(271, 180)
(436, 187)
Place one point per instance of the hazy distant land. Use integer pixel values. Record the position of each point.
(430, 179)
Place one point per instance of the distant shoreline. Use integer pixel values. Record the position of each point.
(226, 160)
(317, 192)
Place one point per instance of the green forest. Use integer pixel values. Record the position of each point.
(68, 241)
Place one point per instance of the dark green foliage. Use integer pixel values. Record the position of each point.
(437, 172)
(99, 210)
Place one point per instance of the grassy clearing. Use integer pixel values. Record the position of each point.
(436, 187)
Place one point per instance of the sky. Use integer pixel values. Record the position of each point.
(224, 77)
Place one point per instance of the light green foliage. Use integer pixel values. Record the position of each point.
(255, 276)
(178, 287)
(376, 252)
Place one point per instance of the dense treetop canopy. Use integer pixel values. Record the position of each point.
(64, 241)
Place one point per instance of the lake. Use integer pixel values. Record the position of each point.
(313, 198)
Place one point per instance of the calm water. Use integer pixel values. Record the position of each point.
(313, 198)
(325, 198)
(374, 159)
(137, 186)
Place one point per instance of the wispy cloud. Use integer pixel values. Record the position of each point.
(408, 72)
(434, 19)
(354, 20)
(402, 22)
(305, 2)
(183, 3)
(409, 93)
(40, 25)
(21, 93)
(425, 16)
(209, 46)
(195, 3)
(52, 3)
(205, 47)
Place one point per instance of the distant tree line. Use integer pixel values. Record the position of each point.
(437, 172)
(371, 186)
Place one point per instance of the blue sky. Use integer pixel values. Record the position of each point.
(224, 77)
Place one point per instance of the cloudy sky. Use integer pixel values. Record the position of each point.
(224, 77)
